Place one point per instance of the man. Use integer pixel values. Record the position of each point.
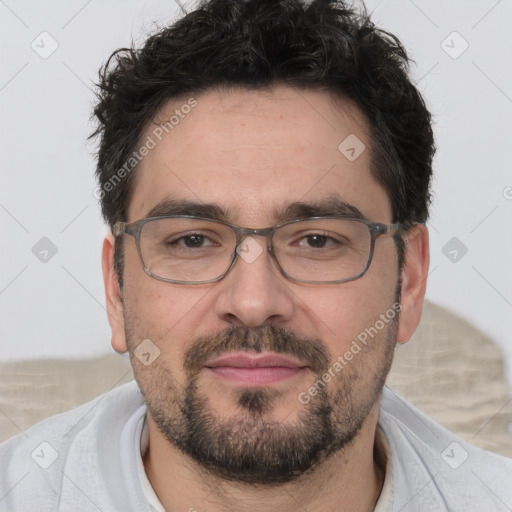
(264, 167)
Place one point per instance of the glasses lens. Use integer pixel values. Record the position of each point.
(187, 250)
(323, 250)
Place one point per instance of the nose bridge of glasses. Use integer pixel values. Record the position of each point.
(243, 233)
(255, 232)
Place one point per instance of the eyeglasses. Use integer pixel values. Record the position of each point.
(183, 249)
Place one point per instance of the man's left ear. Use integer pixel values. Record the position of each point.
(414, 280)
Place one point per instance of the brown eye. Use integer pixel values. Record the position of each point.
(192, 241)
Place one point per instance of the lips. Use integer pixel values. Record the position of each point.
(255, 370)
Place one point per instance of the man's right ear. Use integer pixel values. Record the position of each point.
(113, 295)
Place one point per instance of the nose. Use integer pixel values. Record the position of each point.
(254, 292)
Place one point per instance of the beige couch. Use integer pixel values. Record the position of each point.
(449, 370)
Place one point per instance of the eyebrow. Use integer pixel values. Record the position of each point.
(170, 206)
(329, 207)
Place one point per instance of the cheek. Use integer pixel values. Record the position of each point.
(169, 315)
(156, 304)
(342, 312)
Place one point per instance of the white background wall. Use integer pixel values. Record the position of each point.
(56, 309)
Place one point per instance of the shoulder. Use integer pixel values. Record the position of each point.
(35, 462)
(433, 468)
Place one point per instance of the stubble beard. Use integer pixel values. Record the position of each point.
(251, 447)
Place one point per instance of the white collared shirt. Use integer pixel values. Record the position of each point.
(90, 458)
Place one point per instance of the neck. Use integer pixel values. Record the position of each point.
(350, 477)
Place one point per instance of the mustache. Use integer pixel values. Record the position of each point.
(263, 338)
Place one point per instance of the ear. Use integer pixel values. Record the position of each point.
(414, 280)
(113, 296)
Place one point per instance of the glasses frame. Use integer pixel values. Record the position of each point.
(376, 229)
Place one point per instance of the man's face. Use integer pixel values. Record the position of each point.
(253, 154)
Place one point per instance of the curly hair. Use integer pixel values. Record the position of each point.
(324, 45)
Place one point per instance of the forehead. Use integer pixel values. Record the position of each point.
(253, 152)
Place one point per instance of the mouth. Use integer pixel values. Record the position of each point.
(255, 370)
